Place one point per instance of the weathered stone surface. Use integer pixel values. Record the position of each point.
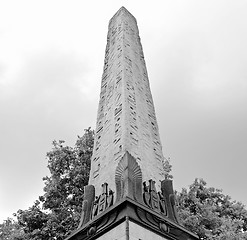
(126, 118)
(117, 233)
(137, 232)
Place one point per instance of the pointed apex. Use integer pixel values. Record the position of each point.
(122, 11)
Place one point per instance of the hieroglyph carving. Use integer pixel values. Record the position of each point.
(163, 201)
(154, 199)
(93, 206)
(103, 201)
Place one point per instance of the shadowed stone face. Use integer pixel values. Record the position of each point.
(126, 117)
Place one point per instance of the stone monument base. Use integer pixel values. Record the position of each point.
(129, 220)
(129, 230)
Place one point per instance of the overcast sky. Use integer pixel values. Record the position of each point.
(51, 62)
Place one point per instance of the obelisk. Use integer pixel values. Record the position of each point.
(126, 117)
(128, 196)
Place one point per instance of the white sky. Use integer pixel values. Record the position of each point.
(51, 62)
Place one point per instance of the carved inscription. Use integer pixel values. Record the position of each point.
(102, 202)
(154, 199)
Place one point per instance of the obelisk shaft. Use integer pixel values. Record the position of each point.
(126, 117)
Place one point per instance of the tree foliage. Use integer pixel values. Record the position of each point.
(57, 212)
(211, 214)
(10, 230)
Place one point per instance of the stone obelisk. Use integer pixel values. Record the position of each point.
(128, 196)
(126, 117)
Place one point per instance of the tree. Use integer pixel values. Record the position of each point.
(167, 168)
(58, 211)
(33, 222)
(210, 213)
(10, 230)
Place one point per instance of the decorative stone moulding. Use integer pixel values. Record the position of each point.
(129, 211)
(87, 204)
(93, 206)
(128, 179)
(135, 201)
